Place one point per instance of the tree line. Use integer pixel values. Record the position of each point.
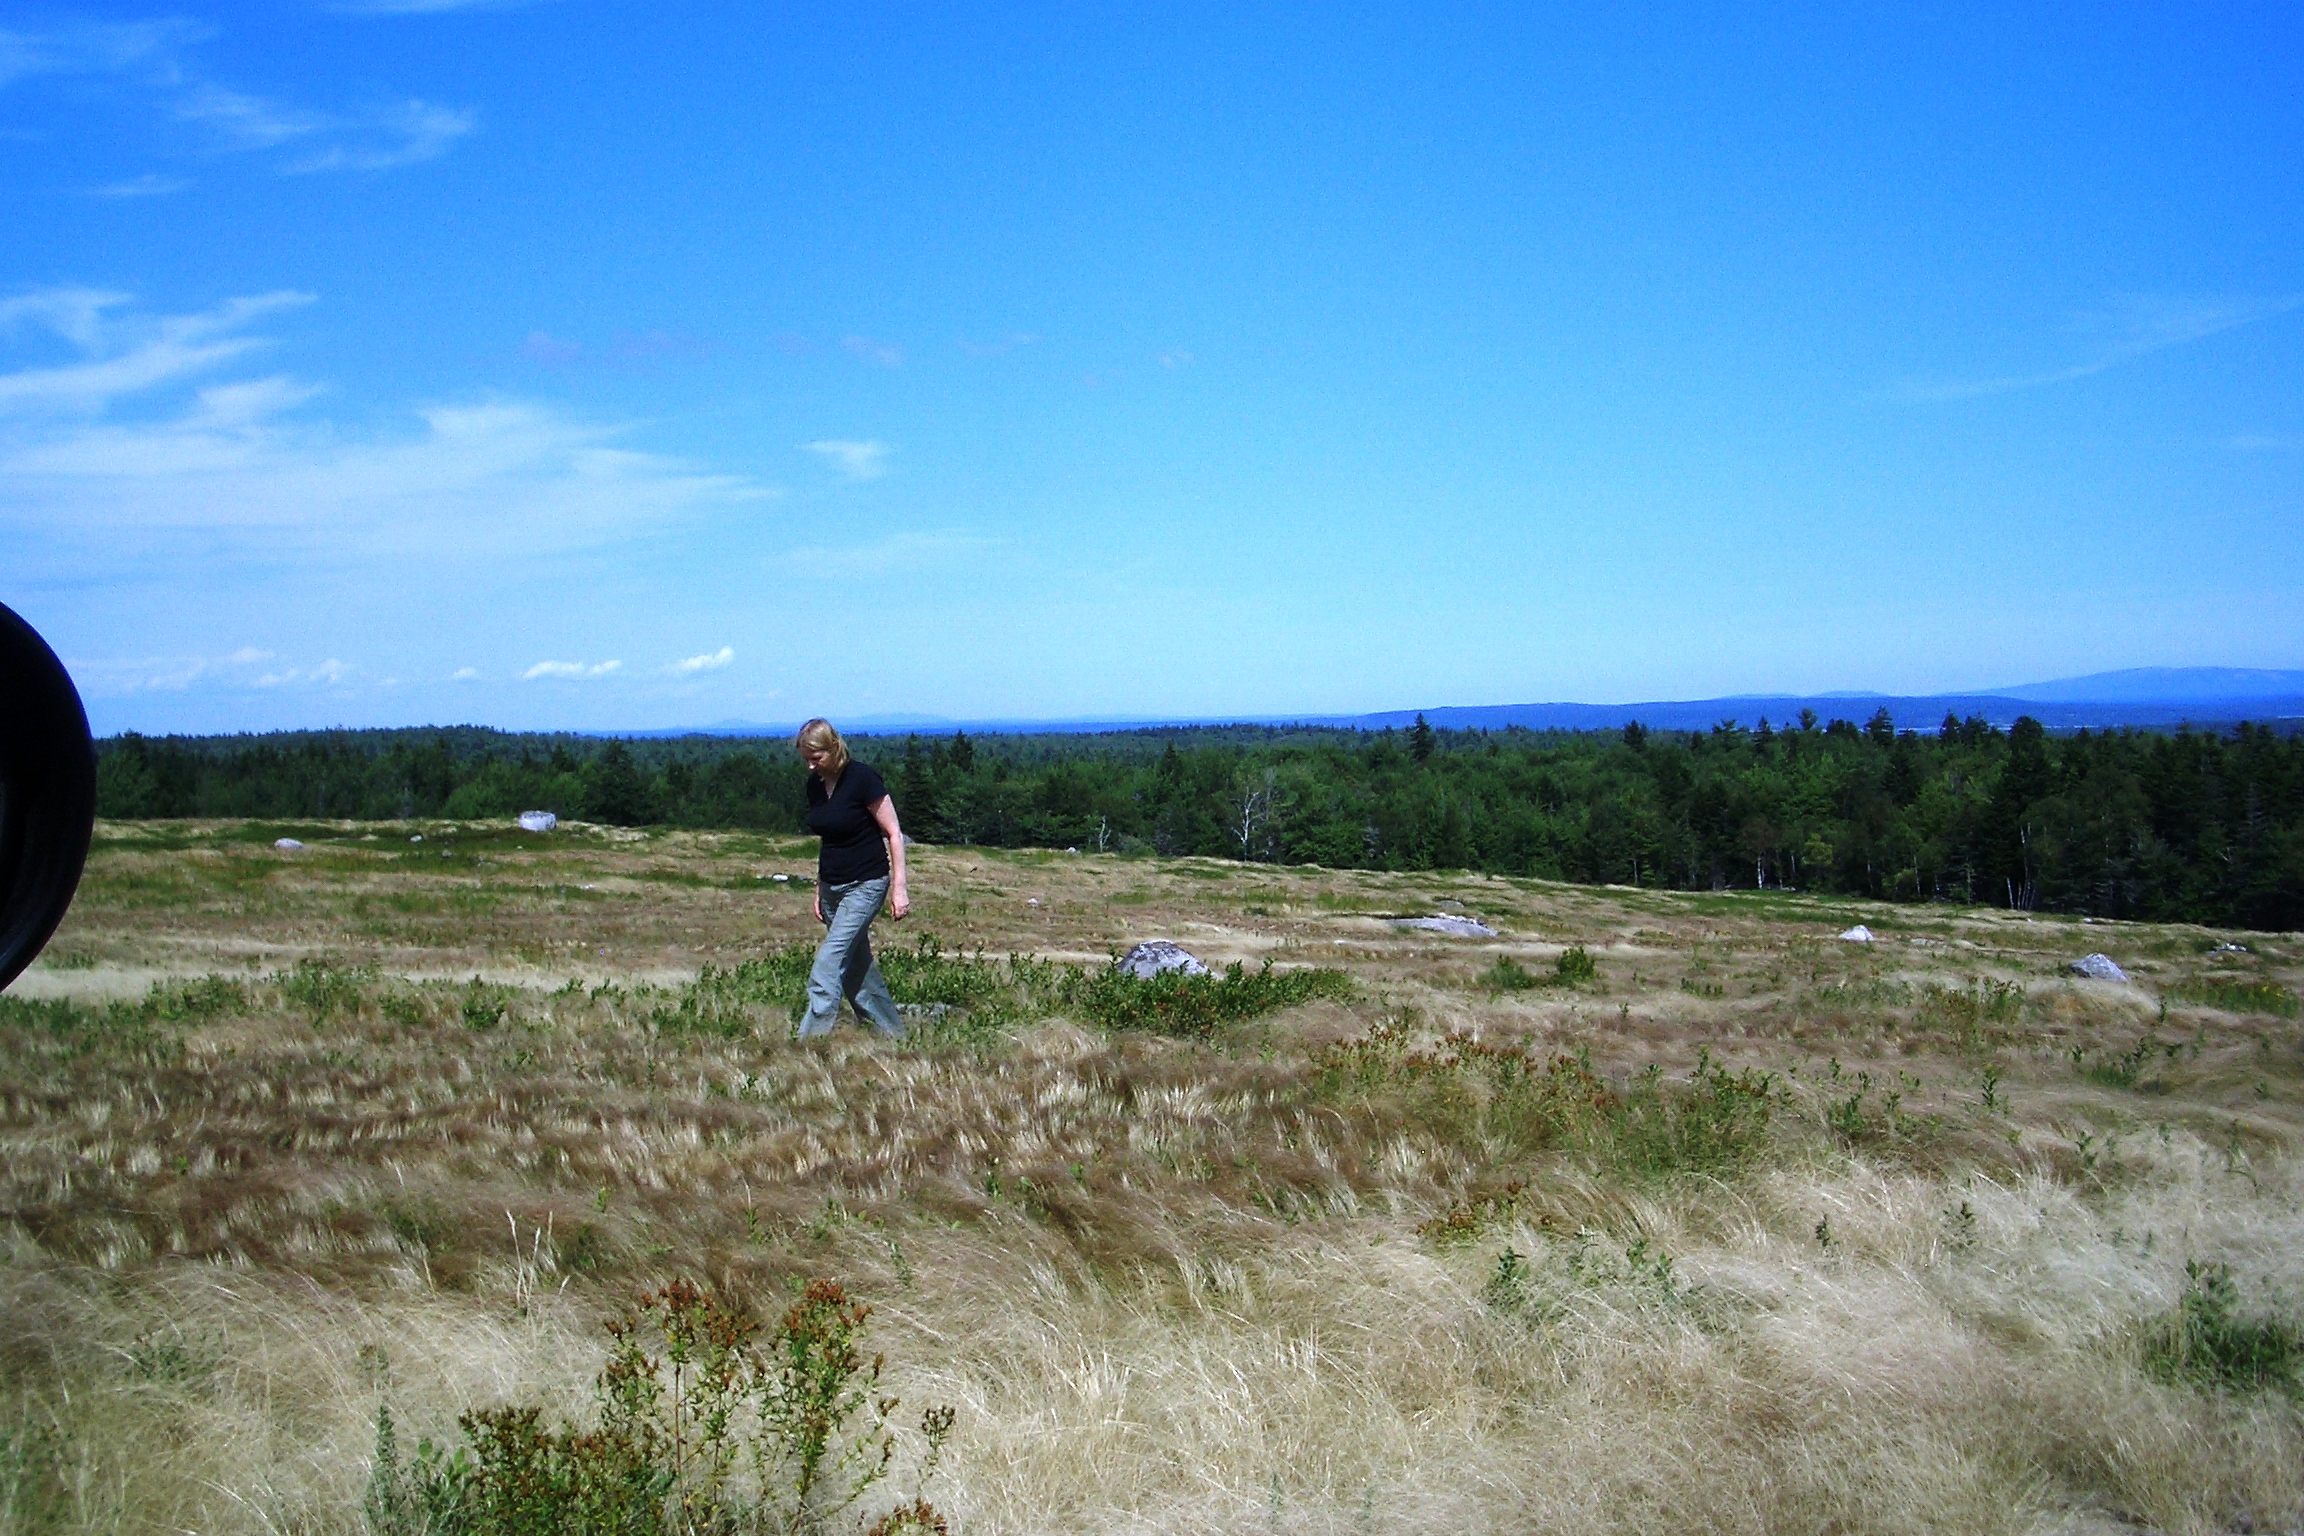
(2202, 826)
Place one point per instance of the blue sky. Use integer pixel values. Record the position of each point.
(588, 365)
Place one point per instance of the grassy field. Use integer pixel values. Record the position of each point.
(1740, 1228)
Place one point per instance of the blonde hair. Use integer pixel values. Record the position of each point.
(818, 736)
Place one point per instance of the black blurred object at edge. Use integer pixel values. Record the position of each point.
(47, 792)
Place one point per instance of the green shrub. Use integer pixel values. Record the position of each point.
(1173, 1003)
(1717, 1120)
(323, 989)
(699, 1430)
(2206, 1343)
(1574, 967)
(1509, 975)
(484, 1006)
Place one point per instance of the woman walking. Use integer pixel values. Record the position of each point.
(859, 866)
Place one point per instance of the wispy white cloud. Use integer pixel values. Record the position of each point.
(153, 59)
(244, 121)
(328, 673)
(865, 459)
(1006, 344)
(897, 552)
(405, 133)
(150, 184)
(570, 669)
(245, 668)
(2135, 327)
(146, 47)
(885, 353)
(138, 443)
(711, 661)
(124, 357)
(464, 675)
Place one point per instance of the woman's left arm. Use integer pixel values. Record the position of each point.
(899, 899)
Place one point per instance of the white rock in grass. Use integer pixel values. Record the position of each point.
(288, 845)
(1858, 935)
(2098, 968)
(1455, 927)
(1153, 956)
(538, 821)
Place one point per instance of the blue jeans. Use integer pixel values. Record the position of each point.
(844, 965)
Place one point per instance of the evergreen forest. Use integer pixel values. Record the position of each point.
(2201, 826)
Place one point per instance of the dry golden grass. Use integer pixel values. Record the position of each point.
(1256, 1282)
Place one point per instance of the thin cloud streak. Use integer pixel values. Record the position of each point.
(152, 56)
(2143, 326)
(858, 459)
(885, 354)
(141, 356)
(898, 552)
(150, 184)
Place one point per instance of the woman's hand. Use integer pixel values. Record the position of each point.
(816, 904)
(899, 898)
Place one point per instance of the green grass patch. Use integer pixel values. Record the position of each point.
(2237, 995)
(2206, 1342)
(1712, 1121)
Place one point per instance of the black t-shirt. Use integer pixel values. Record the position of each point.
(854, 846)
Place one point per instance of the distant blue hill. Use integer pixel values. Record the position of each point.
(2145, 697)
(2162, 685)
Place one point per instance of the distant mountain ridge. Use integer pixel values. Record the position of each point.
(2145, 697)
(2162, 685)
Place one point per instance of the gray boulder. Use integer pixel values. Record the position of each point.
(1453, 926)
(538, 821)
(1154, 956)
(288, 845)
(2098, 968)
(1857, 935)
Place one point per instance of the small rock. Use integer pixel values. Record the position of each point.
(419, 837)
(780, 879)
(2098, 968)
(288, 845)
(538, 821)
(1455, 927)
(923, 1010)
(1858, 935)
(1031, 901)
(2229, 949)
(1154, 956)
